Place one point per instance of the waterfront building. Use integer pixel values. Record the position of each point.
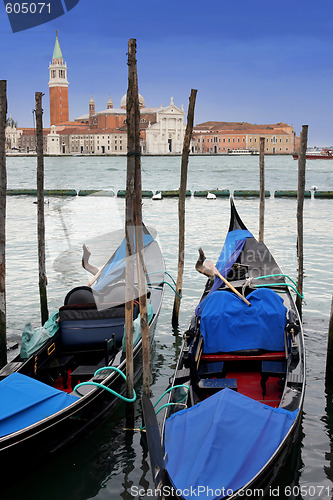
(223, 137)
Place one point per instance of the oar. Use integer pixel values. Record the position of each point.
(154, 443)
(207, 268)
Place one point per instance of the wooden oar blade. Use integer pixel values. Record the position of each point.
(154, 442)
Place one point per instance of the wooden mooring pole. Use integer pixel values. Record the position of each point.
(262, 188)
(40, 209)
(129, 233)
(3, 190)
(181, 206)
(133, 103)
(329, 357)
(300, 207)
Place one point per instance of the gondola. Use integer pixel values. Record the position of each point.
(235, 401)
(75, 380)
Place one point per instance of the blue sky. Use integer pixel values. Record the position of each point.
(257, 61)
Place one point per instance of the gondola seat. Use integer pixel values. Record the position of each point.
(86, 326)
(87, 319)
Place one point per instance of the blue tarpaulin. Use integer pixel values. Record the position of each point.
(232, 247)
(222, 442)
(228, 324)
(25, 401)
(116, 265)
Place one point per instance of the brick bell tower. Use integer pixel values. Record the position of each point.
(58, 85)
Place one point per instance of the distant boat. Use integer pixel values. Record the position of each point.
(242, 152)
(324, 154)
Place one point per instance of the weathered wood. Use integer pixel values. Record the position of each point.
(40, 209)
(181, 205)
(329, 357)
(130, 227)
(3, 189)
(300, 207)
(262, 188)
(133, 103)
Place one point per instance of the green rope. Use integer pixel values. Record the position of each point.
(167, 404)
(279, 284)
(165, 272)
(282, 284)
(274, 275)
(170, 389)
(102, 386)
(166, 283)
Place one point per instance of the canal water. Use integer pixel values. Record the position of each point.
(111, 463)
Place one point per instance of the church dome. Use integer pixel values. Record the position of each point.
(142, 103)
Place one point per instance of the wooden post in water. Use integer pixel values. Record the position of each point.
(329, 358)
(262, 188)
(40, 209)
(181, 205)
(130, 220)
(300, 206)
(133, 104)
(3, 190)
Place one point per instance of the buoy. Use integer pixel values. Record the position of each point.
(157, 196)
(210, 196)
(313, 188)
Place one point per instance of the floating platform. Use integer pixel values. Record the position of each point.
(250, 193)
(145, 194)
(95, 192)
(173, 193)
(47, 192)
(323, 194)
(219, 193)
(290, 194)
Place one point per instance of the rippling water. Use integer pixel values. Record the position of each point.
(111, 463)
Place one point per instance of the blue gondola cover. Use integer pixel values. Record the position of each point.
(232, 247)
(228, 324)
(221, 443)
(25, 401)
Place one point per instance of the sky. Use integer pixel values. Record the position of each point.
(257, 61)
